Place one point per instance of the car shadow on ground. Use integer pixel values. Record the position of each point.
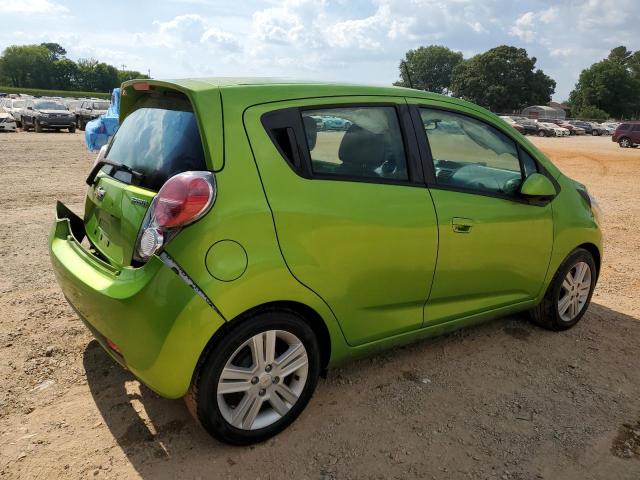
(161, 440)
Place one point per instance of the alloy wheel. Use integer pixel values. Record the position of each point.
(262, 380)
(625, 143)
(574, 291)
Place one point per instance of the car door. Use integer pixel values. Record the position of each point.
(495, 246)
(354, 219)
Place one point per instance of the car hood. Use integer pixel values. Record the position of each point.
(6, 115)
(56, 112)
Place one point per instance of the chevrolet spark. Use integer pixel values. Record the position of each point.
(231, 249)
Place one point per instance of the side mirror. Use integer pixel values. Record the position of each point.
(537, 185)
(29, 108)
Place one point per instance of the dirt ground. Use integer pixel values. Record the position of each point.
(504, 400)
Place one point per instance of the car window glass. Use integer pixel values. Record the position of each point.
(528, 163)
(470, 154)
(354, 142)
(636, 128)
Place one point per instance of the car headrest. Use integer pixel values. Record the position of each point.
(362, 147)
(311, 130)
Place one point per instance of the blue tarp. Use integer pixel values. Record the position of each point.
(98, 132)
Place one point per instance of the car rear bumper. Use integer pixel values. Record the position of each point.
(148, 319)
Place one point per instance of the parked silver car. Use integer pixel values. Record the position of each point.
(14, 107)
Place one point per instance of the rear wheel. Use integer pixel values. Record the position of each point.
(625, 142)
(541, 133)
(258, 379)
(569, 293)
(72, 129)
(594, 133)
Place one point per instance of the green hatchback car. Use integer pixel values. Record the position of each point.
(231, 250)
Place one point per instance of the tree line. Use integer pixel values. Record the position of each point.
(46, 66)
(505, 79)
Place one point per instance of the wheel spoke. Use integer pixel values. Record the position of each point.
(566, 285)
(270, 346)
(564, 304)
(241, 410)
(286, 393)
(277, 404)
(291, 360)
(257, 350)
(252, 413)
(581, 270)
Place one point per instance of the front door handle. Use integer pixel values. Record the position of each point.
(461, 225)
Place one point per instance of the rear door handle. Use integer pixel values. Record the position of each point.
(461, 225)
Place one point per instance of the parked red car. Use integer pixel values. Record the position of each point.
(627, 134)
(573, 129)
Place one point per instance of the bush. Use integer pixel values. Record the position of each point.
(53, 93)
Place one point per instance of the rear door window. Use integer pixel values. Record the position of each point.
(158, 139)
(356, 142)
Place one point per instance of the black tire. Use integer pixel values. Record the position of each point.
(625, 142)
(594, 133)
(542, 133)
(72, 129)
(202, 396)
(546, 312)
(37, 126)
(25, 127)
(81, 124)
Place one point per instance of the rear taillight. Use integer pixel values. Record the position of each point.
(182, 200)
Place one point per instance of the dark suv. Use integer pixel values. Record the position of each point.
(88, 110)
(627, 134)
(40, 114)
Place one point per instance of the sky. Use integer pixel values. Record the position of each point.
(358, 41)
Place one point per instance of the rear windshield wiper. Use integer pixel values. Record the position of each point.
(116, 166)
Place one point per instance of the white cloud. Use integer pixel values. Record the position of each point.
(32, 7)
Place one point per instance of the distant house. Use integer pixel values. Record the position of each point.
(544, 112)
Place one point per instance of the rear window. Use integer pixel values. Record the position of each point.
(159, 139)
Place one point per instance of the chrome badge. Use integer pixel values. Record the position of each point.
(139, 201)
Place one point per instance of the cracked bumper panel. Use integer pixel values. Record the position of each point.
(158, 322)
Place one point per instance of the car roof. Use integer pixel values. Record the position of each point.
(256, 90)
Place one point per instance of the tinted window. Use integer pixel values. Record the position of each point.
(624, 126)
(471, 155)
(636, 128)
(528, 163)
(159, 139)
(356, 142)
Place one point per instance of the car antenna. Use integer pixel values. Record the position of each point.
(406, 71)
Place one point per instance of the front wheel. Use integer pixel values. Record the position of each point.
(37, 126)
(624, 142)
(257, 379)
(72, 128)
(541, 133)
(569, 293)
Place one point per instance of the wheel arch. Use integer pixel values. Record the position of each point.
(595, 253)
(305, 312)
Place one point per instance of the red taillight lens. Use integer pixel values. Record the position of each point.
(182, 199)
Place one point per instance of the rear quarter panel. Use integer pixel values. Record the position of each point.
(241, 214)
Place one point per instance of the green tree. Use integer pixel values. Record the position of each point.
(26, 66)
(429, 68)
(55, 49)
(590, 112)
(124, 75)
(502, 79)
(611, 85)
(65, 74)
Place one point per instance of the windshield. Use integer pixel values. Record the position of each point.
(49, 106)
(100, 105)
(17, 104)
(159, 139)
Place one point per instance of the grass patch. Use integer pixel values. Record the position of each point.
(53, 93)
